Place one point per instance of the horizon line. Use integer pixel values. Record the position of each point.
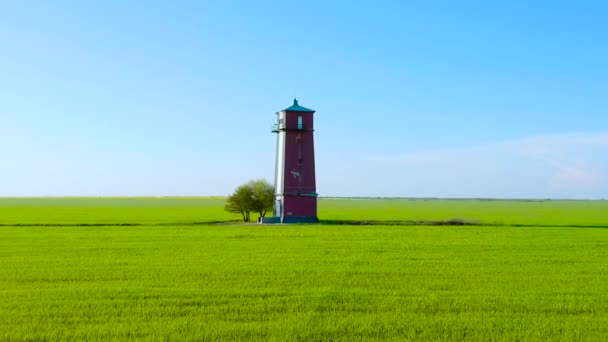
(528, 199)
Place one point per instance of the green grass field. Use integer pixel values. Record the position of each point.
(79, 211)
(174, 277)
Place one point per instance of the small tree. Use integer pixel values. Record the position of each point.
(256, 195)
(240, 202)
(263, 196)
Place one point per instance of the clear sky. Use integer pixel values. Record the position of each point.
(413, 98)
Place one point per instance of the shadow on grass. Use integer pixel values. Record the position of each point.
(119, 224)
(449, 222)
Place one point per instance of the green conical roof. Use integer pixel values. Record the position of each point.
(297, 108)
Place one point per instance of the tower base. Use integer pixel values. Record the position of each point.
(289, 219)
(300, 219)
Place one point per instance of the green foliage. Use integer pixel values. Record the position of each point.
(240, 202)
(263, 196)
(255, 196)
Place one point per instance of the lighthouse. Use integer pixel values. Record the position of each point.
(294, 180)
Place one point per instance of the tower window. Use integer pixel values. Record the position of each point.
(300, 122)
(299, 143)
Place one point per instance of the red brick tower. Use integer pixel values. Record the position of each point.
(296, 196)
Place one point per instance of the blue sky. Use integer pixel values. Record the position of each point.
(416, 99)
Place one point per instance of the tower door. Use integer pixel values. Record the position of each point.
(278, 208)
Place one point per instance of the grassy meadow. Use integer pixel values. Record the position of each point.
(542, 274)
(108, 211)
(167, 210)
